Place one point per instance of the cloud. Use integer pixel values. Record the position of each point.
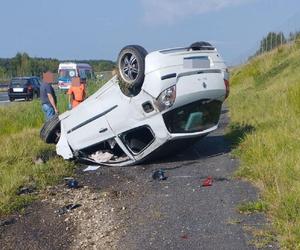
(158, 11)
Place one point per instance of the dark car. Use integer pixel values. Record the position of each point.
(24, 88)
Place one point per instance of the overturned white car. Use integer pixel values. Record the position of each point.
(159, 102)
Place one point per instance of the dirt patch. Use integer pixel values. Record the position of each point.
(37, 228)
(53, 224)
(93, 219)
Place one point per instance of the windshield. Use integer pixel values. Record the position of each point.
(18, 82)
(66, 74)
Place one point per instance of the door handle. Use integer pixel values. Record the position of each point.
(102, 130)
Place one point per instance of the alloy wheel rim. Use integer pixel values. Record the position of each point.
(130, 67)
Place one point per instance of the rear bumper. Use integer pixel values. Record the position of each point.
(15, 95)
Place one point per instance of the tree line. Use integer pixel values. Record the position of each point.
(24, 65)
(274, 40)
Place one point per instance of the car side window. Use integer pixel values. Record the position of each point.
(82, 74)
(31, 82)
(36, 83)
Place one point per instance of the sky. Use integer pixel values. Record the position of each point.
(97, 29)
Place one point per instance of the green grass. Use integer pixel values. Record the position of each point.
(21, 147)
(252, 207)
(265, 121)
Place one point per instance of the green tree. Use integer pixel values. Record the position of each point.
(271, 41)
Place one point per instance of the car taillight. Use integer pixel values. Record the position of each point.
(29, 88)
(226, 82)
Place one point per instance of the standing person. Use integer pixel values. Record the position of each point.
(76, 92)
(48, 100)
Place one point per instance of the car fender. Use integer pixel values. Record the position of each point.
(62, 147)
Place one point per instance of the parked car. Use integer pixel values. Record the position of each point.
(159, 102)
(24, 88)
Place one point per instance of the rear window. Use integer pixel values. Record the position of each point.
(18, 82)
(193, 117)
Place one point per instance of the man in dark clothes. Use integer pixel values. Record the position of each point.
(48, 100)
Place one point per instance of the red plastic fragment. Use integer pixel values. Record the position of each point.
(184, 237)
(207, 182)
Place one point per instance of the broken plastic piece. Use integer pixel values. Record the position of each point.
(7, 222)
(184, 237)
(67, 208)
(26, 190)
(207, 182)
(73, 183)
(91, 168)
(159, 175)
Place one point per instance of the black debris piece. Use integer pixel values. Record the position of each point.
(71, 182)
(7, 222)
(159, 175)
(26, 190)
(67, 208)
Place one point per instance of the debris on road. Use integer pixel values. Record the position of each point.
(67, 208)
(71, 182)
(159, 175)
(184, 237)
(207, 182)
(7, 222)
(26, 190)
(91, 168)
(100, 156)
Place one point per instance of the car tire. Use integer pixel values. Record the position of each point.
(131, 69)
(50, 132)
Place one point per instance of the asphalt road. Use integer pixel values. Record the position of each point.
(178, 213)
(3, 98)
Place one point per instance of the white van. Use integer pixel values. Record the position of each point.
(66, 71)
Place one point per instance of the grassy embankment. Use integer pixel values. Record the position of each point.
(265, 128)
(21, 148)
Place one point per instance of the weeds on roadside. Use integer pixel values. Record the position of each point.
(265, 95)
(25, 160)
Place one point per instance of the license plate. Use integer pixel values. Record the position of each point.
(196, 62)
(18, 89)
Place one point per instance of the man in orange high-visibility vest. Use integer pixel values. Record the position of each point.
(76, 92)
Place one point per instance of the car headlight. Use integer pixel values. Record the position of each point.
(166, 98)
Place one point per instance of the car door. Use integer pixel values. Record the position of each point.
(87, 125)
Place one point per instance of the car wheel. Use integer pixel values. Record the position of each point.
(11, 99)
(131, 69)
(50, 132)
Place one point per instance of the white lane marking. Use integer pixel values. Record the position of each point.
(5, 101)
